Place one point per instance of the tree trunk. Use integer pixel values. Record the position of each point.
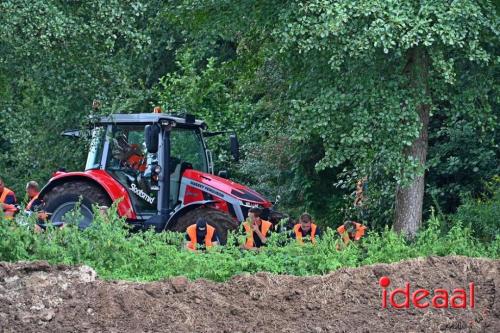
(409, 200)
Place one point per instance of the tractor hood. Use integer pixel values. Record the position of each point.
(228, 187)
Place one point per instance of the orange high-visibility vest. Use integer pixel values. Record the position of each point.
(28, 206)
(137, 162)
(5, 193)
(298, 233)
(264, 228)
(360, 231)
(11, 209)
(191, 231)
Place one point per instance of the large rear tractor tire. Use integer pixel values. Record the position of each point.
(222, 222)
(64, 198)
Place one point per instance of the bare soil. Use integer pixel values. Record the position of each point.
(37, 297)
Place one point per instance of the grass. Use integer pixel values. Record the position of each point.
(114, 253)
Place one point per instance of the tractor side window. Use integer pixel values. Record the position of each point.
(127, 150)
(128, 163)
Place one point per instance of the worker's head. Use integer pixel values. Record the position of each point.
(350, 228)
(1, 185)
(305, 221)
(201, 226)
(32, 188)
(254, 214)
(121, 148)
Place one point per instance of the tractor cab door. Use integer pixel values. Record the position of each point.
(129, 163)
(188, 151)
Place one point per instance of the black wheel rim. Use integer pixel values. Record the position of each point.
(60, 212)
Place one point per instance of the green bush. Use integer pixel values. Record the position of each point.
(115, 253)
(482, 215)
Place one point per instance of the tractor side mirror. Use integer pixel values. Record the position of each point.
(151, 133)
(73, 133)
(223, 174)
(235, 147)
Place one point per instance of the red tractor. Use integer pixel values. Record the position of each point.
(160, 169)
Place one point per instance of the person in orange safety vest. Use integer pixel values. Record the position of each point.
(8, 201)
(201, 235)
(32, 190)
(306, 228)
(256, 229)
(35, 205)
(129, 155)
(351, 231)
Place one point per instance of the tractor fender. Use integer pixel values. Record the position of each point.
(187, 208)
(100, 178)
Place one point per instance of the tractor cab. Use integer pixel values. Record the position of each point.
(119, 147)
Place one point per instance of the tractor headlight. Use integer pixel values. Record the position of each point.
(250, 204)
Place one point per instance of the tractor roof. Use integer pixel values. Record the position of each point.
(150, 118)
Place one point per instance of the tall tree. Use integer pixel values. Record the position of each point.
(402, 60)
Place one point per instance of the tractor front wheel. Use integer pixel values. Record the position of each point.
(65, 197)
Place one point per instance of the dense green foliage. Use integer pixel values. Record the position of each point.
(339, 83)
(482, 214)
(115, 254)
(320, 92)
(55, 58)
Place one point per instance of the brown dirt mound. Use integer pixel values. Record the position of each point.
(36, 297)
